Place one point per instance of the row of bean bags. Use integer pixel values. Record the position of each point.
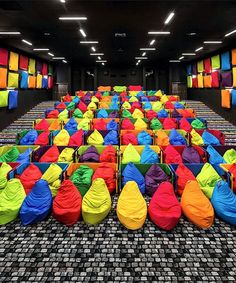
(56, 114)
(32, 137)
(196, 124)
(142, 138)
(139, 124)
(14, 155)
(102, 113)
(183, 113)
(173, 137)
(63, 138)
(229, 156)
(96, 138)
(206, 138)
(148, 155)
(91, 154)
(73, 125)
(43, 125)
(101, 124)
(54, 155)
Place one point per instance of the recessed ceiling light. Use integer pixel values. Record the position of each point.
(182, 57)
(89, 42)
(51, 54)
(228, 34)
(213, 42)
(63, 1)
(58, 58)
(99, 58)
(174, 61)
(189, 54)
(141, 58)
(159, 32)
(96, 54)
(26, 42)
(93, 49)
(198, 49)
(64, 61)
(152, 42)
(192, 33)
(144, 53)
(82, 32)
(47, 33)
(137, 63)
(10, 33)
(169, 18)
(101, 61)
(41, 49)
(148, 49)
(72, 18)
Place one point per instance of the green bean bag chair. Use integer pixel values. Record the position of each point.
(96, 203)
(230, 156)
(11, 200)
(4, 170)
(10, 156)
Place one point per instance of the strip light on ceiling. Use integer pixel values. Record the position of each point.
(148, 49)
(10, 33)
(198, 49)
(96, 54)
(89, 42)
(99, 58)
(228, 34)
(152, 42)
(189, 54)
(82, 32)
(63, 1)
(50, 54)
(144, 53)
(159, 32)
(72, 18)
(64, 61)
(41, 49)
(213, 42)
(182, 57)
(58, 58)
(169, 18)
(93, 49)
(174, 61)
(27, 42)
(101, 61)
(141, 58)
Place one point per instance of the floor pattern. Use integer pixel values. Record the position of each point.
(49, 251)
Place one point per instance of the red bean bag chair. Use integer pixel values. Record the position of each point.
(99, 124)
(67, 98)
(61, 106)
(67, 204)
(82, 106)
(170, 123)
(53, 114)
(185, 125)
(186, 113)
(129, 138)
(164, 208)
(171, 155)
(43, 138)
(169, 105)
(150, 114)
(51, 155)
(43, 125)
(29, 177)
(76, 138)
(108, 155)
(80, 93)
(107, 173)
(127, 124)
(123, 99)
(136, 105)
(183, 176)
(172, 98)
(98, 95)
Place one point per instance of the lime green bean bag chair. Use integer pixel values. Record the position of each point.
(130, 154)
(230, 156)
(10, 156)
(4, 170)
(11, 200)
(96, 203)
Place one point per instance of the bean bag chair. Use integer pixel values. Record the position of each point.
(98, 94)
(66, 155)
(107, 173)
(170, 123)
(144, 98)
(52, 176)
(129, 138)
(224, 202)
(77, 113)
(104, 105)
(140, 124)
(207, 179)
(111, 138)
(29, 177)
(55, 125)
(24, 157)
(77, 138)
(92, 106)
(53, 114)
(187, 113)
(42, 139)
(190, 155)
(131, 207)
(153, 178)
(88, 114)
(126, 105)
(67, 98)
(126, 124)
(90, 155)
(29, 138)
(147, 106)
(130, 154)
(175, 114)
(214, 156)
(133, 99)
(11, 200)
(126, 114)
(230, 156)
(95, 138)
(196, 206)
(67, 204)
(109, 154)
(172, 98)
(61, 105)
(162, 138)
(183, 176)
(102, 113)
(176, 138)
(43, 125)
(198, 124)
(137, 113)
(178, 105)
(82, 106)
(157, 106)
(149, 156)
(37, 204)
(71, 125)
(155, 124)
(144, 138)
(113, 114)
(84, 124)
(169, 105)
(96, 203)
(208, 138)
(162, 114)
(164, 208)
(4, 170)
(171, 155)
(138, 106)
(115, 98)
(151, 115)
(114, 106)
(82, 179)
(196, 139)
(11, 155)
(131, 173)
(63, 115)
(62, 138)
(99, 124)
(112, 125)
(185, 125)
(51, 155)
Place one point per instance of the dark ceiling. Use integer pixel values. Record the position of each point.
(211, 20)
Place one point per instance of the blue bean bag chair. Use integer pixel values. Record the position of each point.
(131, 173)
(111, 138)
(144, 98)
(147, 106)
(71, 125)
(224, 202)
(149, 156)
(115, 99)
(29, 138)
(178, 105)
(24, 157)
(114, 106)
(76, 100)
(37, 204)
(144, 138)
(162, 114)
(140, 94)
(214, 156)
(102, 113)
(112, 125)
(209, 139)
(176, 138)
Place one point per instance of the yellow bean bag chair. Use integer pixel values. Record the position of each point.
(196, 139)
(159, 93)
(66, 155)
(88, 114)
(157, 106)
(92, 106)
(94, 99)
(95, 138)
(126, 105)
(133, 99)
(164, 98)
(137, 113)
(96, 203)
(140, 124)
(131, 207)
(130, 154)
(196, 206)
(52, 176)
(62, 138)
(84, 124)
(63, 115)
